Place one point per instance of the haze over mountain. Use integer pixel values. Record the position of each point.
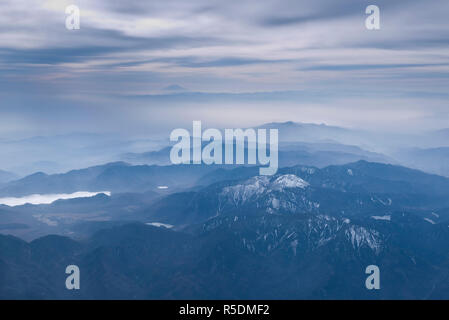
(371, 140)
(316, 144)
(321, 145)
(435, 160)
(290, 153)
(61, 153)
(6, 176)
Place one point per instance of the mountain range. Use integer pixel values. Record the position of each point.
(161, 231)
(244, 257)
(117, 177)
(356, 189)
(62, 153)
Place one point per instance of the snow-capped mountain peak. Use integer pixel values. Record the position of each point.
(270, 194)
(289, 181)
(260, 184)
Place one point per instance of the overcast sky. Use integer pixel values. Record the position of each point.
(241, 63)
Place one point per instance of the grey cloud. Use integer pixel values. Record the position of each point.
(80, 52)
(277, 51)
(352, 67)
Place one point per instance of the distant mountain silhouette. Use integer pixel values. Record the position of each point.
(115, 177)
(290, 153)
(435, 160)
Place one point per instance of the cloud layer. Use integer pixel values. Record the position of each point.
(271, 61)
(48, 198)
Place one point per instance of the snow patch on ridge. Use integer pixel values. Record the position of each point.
(290, 181)
(159, 225)
(387, 218)
(360, 236)
(37, 199)
(258, 185)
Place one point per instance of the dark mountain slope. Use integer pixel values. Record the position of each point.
(252, 257)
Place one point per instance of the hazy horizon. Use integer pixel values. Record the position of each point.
(144, 70)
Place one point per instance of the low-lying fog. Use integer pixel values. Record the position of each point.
(48, 198)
